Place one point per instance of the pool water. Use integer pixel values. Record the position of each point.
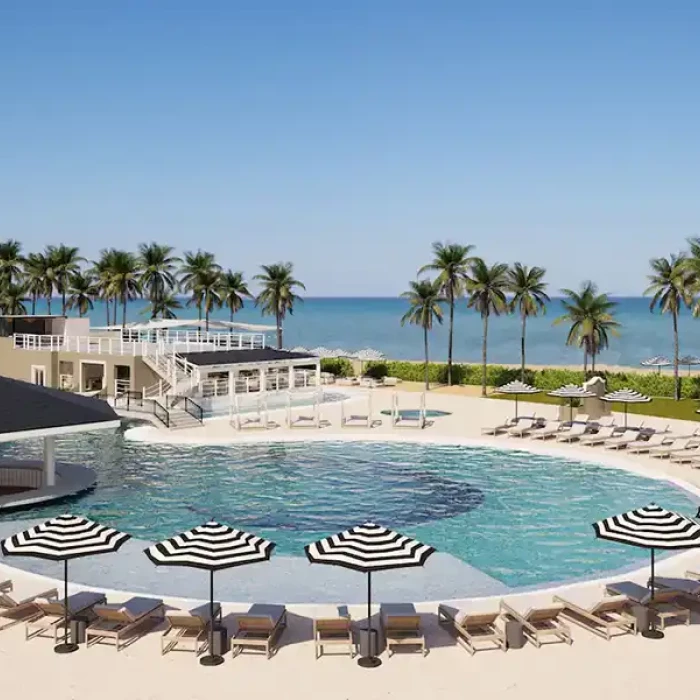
(414, 414)
(522, 518)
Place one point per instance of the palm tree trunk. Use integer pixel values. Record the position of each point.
(123, 310)
(522, 349)
(206, 315)
(115, 304)
(63, 297)
(427, 364)
(231, 313)
(33, 303)
(676, 378)
(279, 330)
(199, 310)
(48, 303)
(484, 342)
(585, 361)
(449, 338)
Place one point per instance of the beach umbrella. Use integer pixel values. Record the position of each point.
(657, 361)
(322, 352)
(368, 548)
(689, 360)
(212, 547)
(651, 527)
(367, 355)
(299, 348)
(64, 538)
(516, 388)
(626, 396)
(571, 392)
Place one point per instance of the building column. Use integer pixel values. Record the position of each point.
(49, 461)
(263, 379)
(231, 384)
(291, 377)
(318, 374)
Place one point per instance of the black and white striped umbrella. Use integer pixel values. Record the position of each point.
(61, 539)
(571, 392)
(651, 527)
(368, 548)
(626, 396)
(211, 546)
(516, 388)
(657, 361)
(689, 360)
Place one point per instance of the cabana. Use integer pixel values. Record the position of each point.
(250, 412)
(351, 418)
(307, 412)
(407, 417)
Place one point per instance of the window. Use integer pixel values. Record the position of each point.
(39, 375)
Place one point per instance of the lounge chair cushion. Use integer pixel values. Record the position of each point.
(635, 592)
(134, 607)
(76, 602)
(397, 610)
(685, 585)
(273, 613)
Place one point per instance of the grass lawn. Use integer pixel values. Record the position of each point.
(663, 407)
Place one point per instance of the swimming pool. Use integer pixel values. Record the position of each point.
(522, 518)
(414, 413)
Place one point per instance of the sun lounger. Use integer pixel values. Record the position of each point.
(629, 589)
(666, 450)
(525, 428)
(685, 456)
(188, 628)
(598, 438)
(498, 429)
(574, 433)
(656, 440)
(49, 620)
(550, 429)
(128, 621)
(540, 623)
(471, 629)
(582, 418)
(689, 585)
(402, 627)
(259, 629)
(621, 441)
(333, 631)
(13, 611)
(605, 617)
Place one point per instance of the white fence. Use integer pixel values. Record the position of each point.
(213, 388)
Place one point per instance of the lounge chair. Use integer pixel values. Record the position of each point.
(259, 629)
(402, 627)
(188, 628)
(685, 456)
(13, 611)
(665, 602)
(471, 629)
(656, 440)
(582, 418)
(598, 438)
(629, 589)
(574, 433)
(605, 617)
(550, 429)
(128, 621)
(333, 631)
(621, 441)
(666, 450)
(49, 620)
(525, 428)
(501, 428)
(540, 623)
(689, 586)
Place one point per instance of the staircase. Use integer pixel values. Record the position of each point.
(180, 419)
(177, 376)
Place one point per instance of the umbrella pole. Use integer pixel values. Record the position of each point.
(369, 661)
(211, 659)
(652, 551)
(67, 647)
(651, 632)
(571, 411)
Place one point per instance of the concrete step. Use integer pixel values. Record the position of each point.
(181, 419)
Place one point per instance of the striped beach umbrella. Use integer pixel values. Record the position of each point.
(516, 388)
(368, 548)
(689, 360)
(64, 538)
(651, 527)
(368, 355)
(571, 392)
(657, 361)
(211, 546)
(322, 352)
(626, 397)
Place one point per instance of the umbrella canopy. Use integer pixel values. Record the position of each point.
(571, 392)
(368, 548)
(211, 546)
(626, 396)
(516, 388)
(689, 360)
(657, 361)
(651, 527)
(61, 539)
(369, 355)
(299, 348)
(322, 352)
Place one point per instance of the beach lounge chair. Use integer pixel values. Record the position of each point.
(550, 429)
(188, 628)
(666, 450)
(583, 418)
(667, 603)
(124, 623)
(402, 627)
(259, 629)
(685, 456)
(501, 428)
(472, 629)
(656, 440)
(621, 441)
(605, 617)
(13, 611)
(540, 623)
(574, 433)
(598, 438)
(333, 631)
(690, 585)
(629, 589)
(525, 428)
(49, 620)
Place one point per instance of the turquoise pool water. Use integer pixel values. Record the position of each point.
(521, 518)
(414, 414)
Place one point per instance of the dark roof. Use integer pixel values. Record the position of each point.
(25, 407)
(237, 357)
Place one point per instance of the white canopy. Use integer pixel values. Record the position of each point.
(159, 324)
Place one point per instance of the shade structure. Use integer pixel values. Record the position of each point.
(299, 348)
(689, 361)
(651, 527)
(211, 546)
(626, 397)
(657, 361)
(367, 355)
(571, 392)
(368, 548)
(61, 539)
(322, 352)
(516, 388)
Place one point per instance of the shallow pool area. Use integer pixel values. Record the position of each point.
(414, 413)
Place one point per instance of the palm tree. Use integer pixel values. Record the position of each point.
(64, 261)
(425, 300)
(451, 261)
(277, 296)
(12, 298)
(123, 275)
(164, 307)
(486, 288)
(100, 271)
(37, 278)
(207, 289)
(590, 314)
(671, 286)
(82, 290)
(10, 262)
(195, 267)
(233, 289)
(157, 273)
(529, 298)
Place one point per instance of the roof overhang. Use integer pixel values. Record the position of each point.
(55, 432)
(176, 323)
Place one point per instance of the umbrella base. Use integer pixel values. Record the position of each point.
(211, 660)
(369, 662)
(652, 634)
(66, 648)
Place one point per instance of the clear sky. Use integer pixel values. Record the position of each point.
(347, 136)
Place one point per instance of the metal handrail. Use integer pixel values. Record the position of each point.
(134, 400)
(194, 409)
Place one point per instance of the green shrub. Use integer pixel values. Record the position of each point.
(338, 366)
(376, 370)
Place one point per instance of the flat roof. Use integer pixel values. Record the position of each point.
(245, 357)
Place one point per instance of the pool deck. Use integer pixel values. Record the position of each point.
(624, 667)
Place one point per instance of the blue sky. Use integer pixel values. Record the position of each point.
(346, 137)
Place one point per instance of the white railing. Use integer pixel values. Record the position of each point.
(66, 382)
(88, 344)
(194, 341)
(214, 388)
(121, 386)
(177, 374)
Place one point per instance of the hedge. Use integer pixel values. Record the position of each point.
(651, 383)
(340, 366)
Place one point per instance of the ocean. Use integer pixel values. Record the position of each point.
(355, 323)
